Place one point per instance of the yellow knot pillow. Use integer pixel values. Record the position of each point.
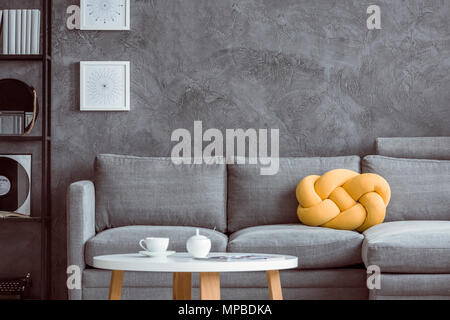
(343, 199)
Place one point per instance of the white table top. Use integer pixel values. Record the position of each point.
(183, 262)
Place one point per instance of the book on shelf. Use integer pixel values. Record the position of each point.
(28, 33)
(23, 43)
(1, 27)
(20, 31)
(5, 31)
(12, 32)
(35, 31)
(7, 214)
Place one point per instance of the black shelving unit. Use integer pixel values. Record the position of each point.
(15, 57)
(20, 138)
(45, 140)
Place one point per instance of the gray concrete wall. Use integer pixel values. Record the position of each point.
(308, 68)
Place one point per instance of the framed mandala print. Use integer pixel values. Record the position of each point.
(104, 85)
(105, 14)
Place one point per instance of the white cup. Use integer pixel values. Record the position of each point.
(153, 244)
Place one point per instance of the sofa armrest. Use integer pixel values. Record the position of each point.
(80, 225)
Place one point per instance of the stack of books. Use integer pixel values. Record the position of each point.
(14, 122)
(20, 31)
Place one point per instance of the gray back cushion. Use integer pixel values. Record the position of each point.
(154, 191)
(255, 200)
(419, 148)
(420, 188)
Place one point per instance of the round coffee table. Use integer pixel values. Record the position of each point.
(182, 265)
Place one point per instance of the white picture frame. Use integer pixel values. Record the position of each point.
(104, 86)
(87, 24)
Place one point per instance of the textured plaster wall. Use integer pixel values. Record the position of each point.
(308, 68)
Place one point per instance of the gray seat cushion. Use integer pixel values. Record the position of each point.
(420, 188)
(155, 191)
(412, 287)
(416, 147)
(126, 240)
(255, 200)
(315, 247)
(408, 247)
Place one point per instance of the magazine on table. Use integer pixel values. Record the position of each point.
(246, 257)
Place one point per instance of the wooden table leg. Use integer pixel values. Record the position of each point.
(182, 285)
(209, 286)
(115, 287)
(273, 280)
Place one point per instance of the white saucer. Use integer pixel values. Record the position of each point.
(156, 254)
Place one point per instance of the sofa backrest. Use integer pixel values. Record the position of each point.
(154, 191)
(255, 199)
(420, 188)
(418, 148)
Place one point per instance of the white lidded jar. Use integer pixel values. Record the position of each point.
(198, 246)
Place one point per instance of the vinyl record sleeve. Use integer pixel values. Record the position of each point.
(15, 183)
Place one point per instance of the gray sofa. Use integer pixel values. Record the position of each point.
(242, 211)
